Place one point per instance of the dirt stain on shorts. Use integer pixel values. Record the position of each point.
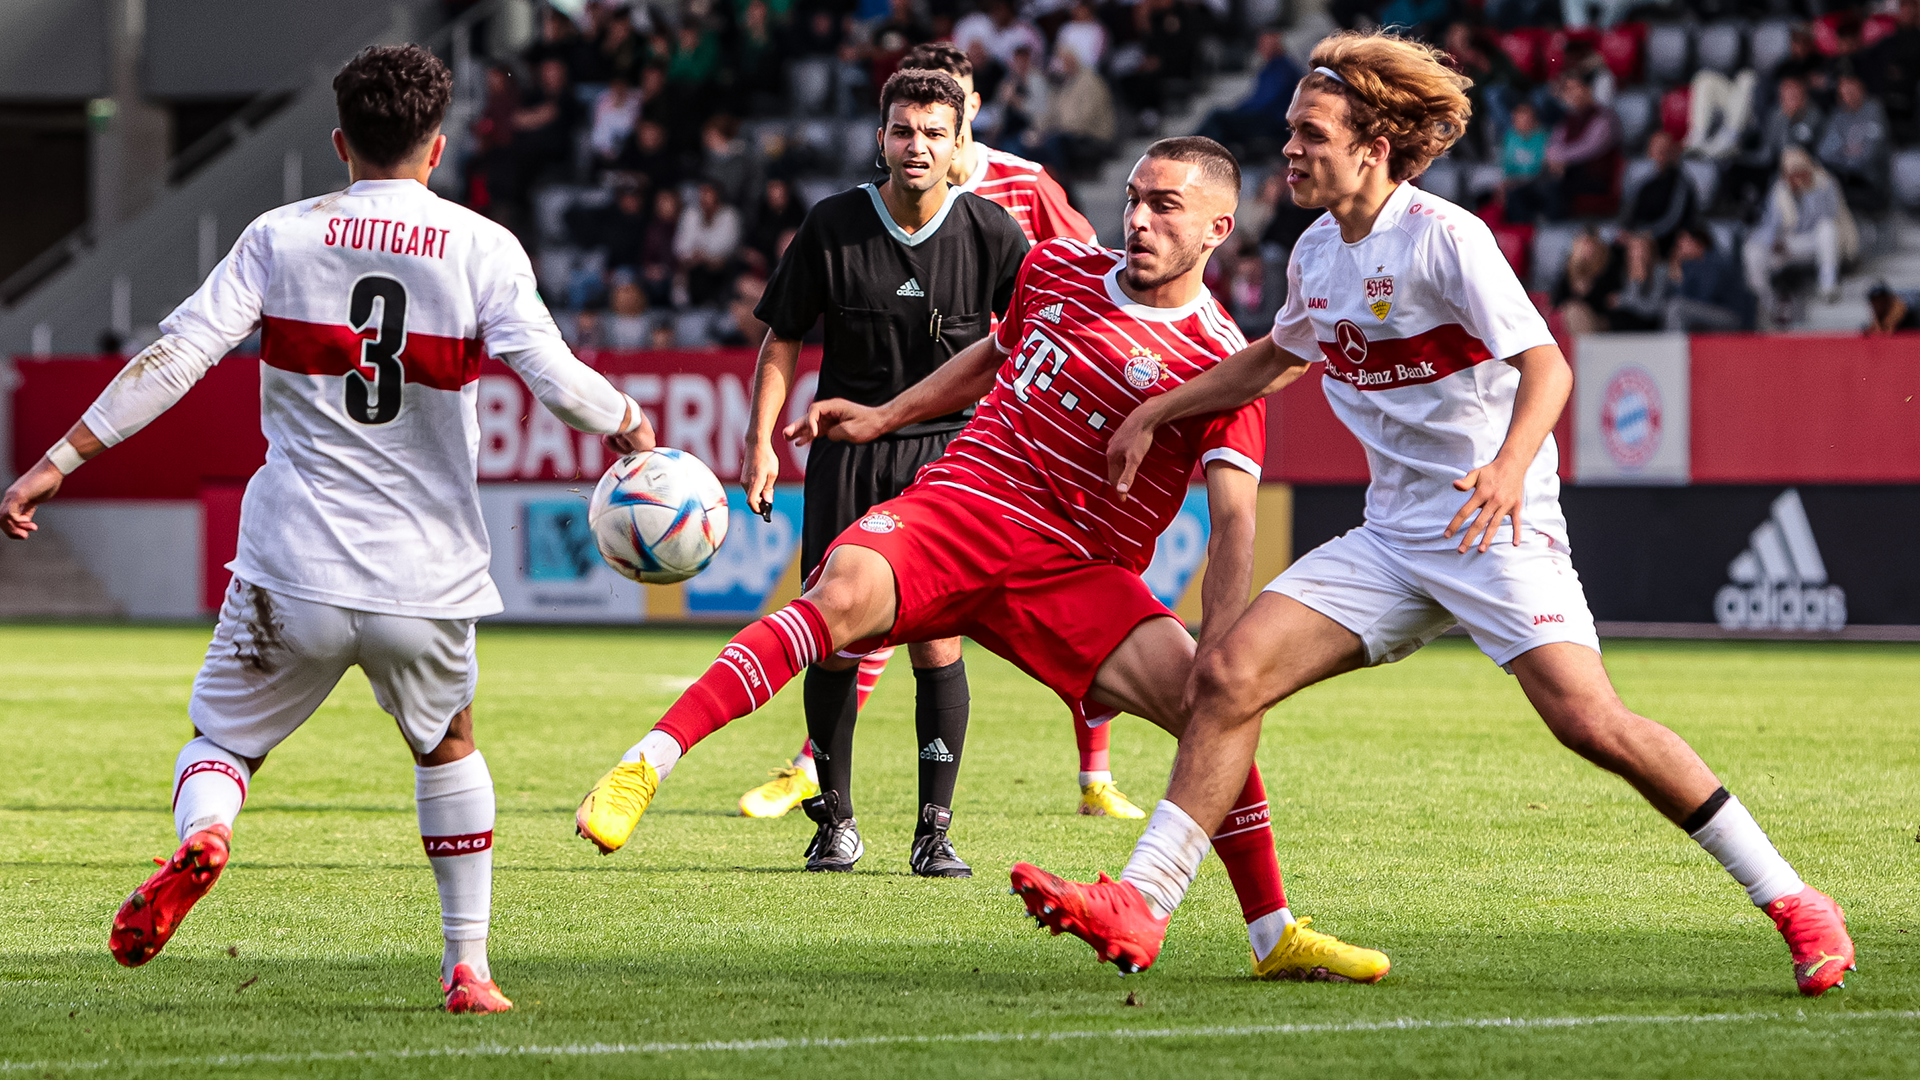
(261, 638)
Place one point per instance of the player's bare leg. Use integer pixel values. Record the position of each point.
(453, 795)
(1126, 920)
(1568, 685)
(853, 600)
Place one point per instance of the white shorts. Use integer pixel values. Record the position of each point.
(1510, 599)
(274, 659)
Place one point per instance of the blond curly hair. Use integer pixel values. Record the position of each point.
(1398, 89)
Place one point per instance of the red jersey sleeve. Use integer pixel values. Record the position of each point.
(1238, 438)
(1054, 216)
(1007, 336)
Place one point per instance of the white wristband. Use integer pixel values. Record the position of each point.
(639, 417)
(64, 457)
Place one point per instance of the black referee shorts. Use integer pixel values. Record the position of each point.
(845, 480)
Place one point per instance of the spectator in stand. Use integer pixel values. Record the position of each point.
(615, 52)
(1854, 146)
(615, 111)
(1523, 150)
(647, 155)
(1591, 278)
(1158, 42)
(1583, 155)
(612, 237)
(779, 214)
(904, 20)
(759, 79)
(1891, 69)
(852, 84)
(1707, 291)
(1667, 201)
(1497, 88)
(1641, 303)
(1415, 18)
(724, 160)
(625, 326)
(1078, 127)
(1807, 223)
(658, 274)
(1893, 312)
(817, 35)
(1019, 101)
(493, 175)
(705, 243)
(1262, 114)
(545, 123)
(1084, 35)
(1718, 112)
(1000, 31)
(738, 326)
(1793, 121)
(559, 40)
(693, 76)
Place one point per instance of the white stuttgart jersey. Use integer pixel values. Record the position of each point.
(1413, 322)
(375, 305)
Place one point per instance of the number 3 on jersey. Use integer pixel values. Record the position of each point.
(373, 391)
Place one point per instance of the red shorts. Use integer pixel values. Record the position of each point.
(962, 567)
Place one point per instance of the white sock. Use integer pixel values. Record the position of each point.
(1733, 837)
(1167, 858)
(455, 803)
(659, 749)
(209, 786)
(1264, 932)
(804, 762)
(1102, 775)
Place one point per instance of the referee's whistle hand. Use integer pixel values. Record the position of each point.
(840, 420)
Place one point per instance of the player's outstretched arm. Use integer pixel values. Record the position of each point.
(42, 482)
(1232, 495)
(772, 382)
(1499, 487)
(581, 397)
(1260, 369)
(956, 384)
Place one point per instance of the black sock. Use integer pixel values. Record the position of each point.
(940, 719)
(833, 704)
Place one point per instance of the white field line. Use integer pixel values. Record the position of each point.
(1525, 1023)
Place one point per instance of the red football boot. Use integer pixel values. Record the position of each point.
(144, 924)
(468, 993)
(1816, 933)
(1109, 915)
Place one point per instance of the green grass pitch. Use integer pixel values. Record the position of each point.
(1542, 920)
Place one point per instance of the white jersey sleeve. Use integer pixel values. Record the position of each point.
(226, 309)
(1292, 330)
(1479, 286)
(149, 385)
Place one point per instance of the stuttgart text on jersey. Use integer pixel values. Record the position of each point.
(392, 237)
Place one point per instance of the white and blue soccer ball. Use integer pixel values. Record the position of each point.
(658, 516)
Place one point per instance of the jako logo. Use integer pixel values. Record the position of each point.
(1538, 619)
(1317, 303)
(1780, 581)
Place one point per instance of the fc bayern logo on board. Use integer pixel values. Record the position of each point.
(1630, 417)
(879, 522)
(1144, 368)
(1351, 340)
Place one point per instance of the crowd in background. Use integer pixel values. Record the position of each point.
(657, 158)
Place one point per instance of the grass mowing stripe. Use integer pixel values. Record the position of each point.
(734, 1046)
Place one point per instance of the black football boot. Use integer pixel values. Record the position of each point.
(836, 843)
(933, 854)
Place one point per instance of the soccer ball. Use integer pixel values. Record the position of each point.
(658, 516)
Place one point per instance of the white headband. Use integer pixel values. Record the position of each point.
(1331, 74)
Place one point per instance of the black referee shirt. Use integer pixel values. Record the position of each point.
(897, 305)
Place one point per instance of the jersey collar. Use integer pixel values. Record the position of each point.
(385, 187)
(1391, 212)
(911, 239)
(1134, 309)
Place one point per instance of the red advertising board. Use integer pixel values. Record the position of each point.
(1800, 409)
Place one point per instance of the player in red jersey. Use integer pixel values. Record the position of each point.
(1014, 538)
(1446, 373)
(1039, 205)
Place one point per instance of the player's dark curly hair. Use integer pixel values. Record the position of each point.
(391, 98)
(939, 56)
(922, 88)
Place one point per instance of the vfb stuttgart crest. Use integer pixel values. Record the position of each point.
(1380, 296)
(1144, 368)
(1351, 340)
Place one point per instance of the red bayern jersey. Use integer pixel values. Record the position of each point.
(1081, 356)
(1023, 189)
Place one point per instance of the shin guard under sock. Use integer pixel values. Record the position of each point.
(748, 672)
(456, 806)
(940, 722)
(833, 707)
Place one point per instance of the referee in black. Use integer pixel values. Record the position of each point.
(907, 274)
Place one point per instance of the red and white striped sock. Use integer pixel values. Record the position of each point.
(748, 672)
(209, 786)
(872, 666)
(1245, 846)
(455, 804)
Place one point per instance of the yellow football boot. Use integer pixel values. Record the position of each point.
(1102, 799)
(1305, 955)
(782, 793)
(610, 811)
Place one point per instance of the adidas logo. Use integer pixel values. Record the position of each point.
(936, 751)
(1052, 313)
(1780, 581)
(911, 288)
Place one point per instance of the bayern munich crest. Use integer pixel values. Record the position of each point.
(1630, 420)
(1144, 368)
(879, 522)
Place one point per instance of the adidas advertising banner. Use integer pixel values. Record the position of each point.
(1630, 400)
